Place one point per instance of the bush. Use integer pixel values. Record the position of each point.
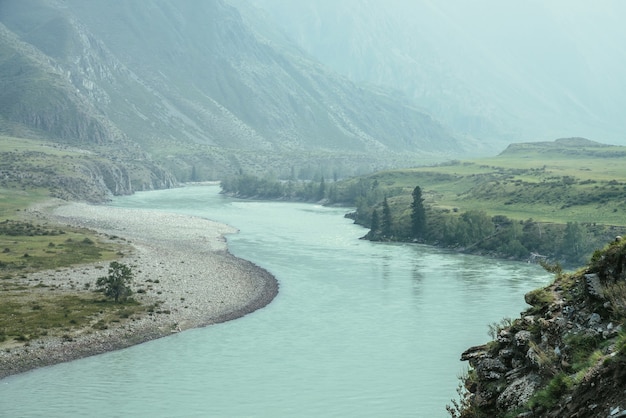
(620, 344)
(549, 396)
(582, 347)
(610, 262)
(539, 299)
(116, 284)
(616, 294)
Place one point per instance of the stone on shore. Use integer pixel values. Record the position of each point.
(193, 278)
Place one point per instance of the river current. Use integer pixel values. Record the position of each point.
(359, 329)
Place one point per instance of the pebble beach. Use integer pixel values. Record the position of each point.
(185, 260)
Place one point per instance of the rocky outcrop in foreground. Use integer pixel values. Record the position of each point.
(565, 356)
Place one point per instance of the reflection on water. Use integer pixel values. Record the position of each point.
(358, 329)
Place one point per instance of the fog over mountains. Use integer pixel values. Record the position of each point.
(502, 70)
(215, 86)
(192, 83)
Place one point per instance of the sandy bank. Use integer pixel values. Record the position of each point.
(190, 272)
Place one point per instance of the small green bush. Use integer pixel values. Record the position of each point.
(496, 327)
(100, 325)
(125, 314)
(582, 347)
(616, 294)
(620, 343)
(549, 396)
(539, 299)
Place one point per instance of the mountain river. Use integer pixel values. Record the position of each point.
(359, 329)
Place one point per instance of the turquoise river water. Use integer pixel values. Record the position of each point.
(359, 329)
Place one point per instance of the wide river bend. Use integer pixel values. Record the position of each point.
(359, 329)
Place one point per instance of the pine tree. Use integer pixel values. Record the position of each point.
(418, 214)
(321, 192)
(375, 225)
(386, 224)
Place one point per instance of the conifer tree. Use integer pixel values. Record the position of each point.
(375, 225)
(321, 192)
(418, 214)
(387, 223)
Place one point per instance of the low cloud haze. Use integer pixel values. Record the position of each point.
(518, 70)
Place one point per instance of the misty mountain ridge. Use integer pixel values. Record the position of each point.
(192, 84)
(498, 71)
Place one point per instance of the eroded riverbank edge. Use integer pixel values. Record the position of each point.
(193, 278)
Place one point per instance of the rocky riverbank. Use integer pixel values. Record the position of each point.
(563, 357)
(191, 277)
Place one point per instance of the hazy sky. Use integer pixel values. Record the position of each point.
(551, 68)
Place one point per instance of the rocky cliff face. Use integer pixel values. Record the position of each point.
(101, 179)
(77, 174)
(564, 357)
(38, 93)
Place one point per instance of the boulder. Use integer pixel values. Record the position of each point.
(594, 287)
(491, 368)
(473, 353)
(522, 338)
(517, 394)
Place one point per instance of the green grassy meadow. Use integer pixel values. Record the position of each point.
(30, 310)
(27, 314)
(547, 182)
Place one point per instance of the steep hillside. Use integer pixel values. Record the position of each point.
(563, 357)
(194, 87)
(561, 199)
(36, 95)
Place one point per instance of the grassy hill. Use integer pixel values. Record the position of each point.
(535, 192)
(569, 180)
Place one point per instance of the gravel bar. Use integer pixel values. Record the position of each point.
(185, 260)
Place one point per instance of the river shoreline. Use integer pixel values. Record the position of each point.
(185, 263)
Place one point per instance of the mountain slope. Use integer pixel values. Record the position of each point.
(36, 94)
(494, 70)
(284, 98)
(193, 85)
